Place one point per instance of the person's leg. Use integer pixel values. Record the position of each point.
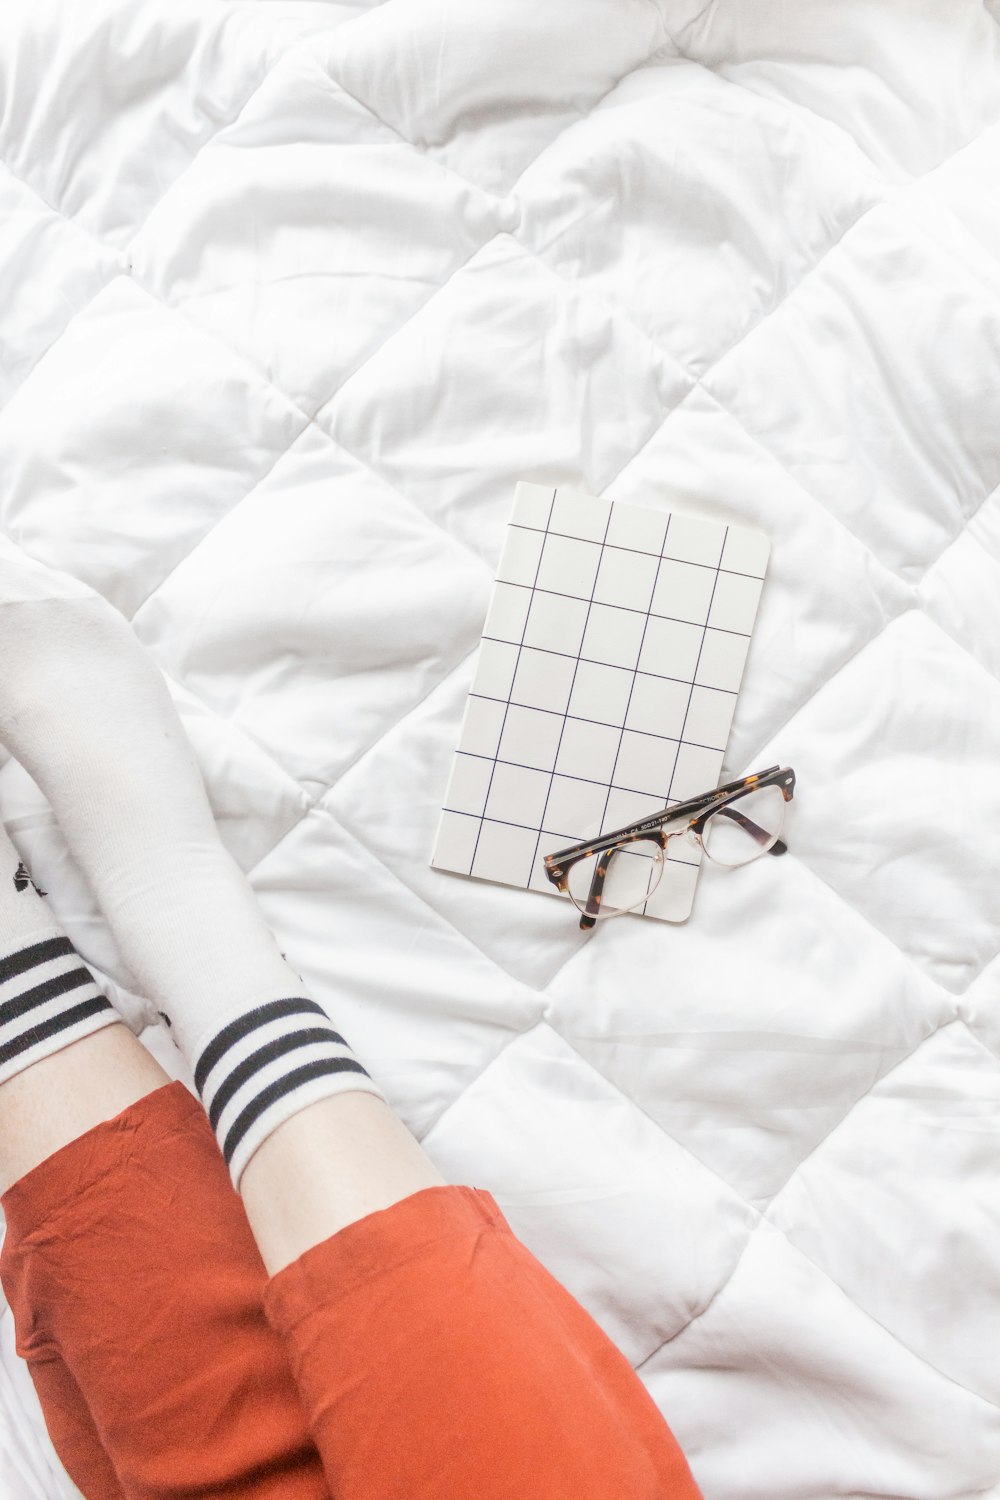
(438, 1358)
(41, 1110)
(49, 1002)
(330, 1181)
(137, 1289)
(128, 1262)
(71, 1428)
(134, 811)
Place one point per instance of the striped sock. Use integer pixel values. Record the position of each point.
(266, 1064)
(87, 714)
(48, 997)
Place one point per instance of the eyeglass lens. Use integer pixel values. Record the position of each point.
(627, 877)
(632, 874)
(746, 828)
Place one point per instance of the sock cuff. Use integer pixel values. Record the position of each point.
(48, 999)
(266, 1063)
(28, 938)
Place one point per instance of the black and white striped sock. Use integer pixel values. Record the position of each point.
(48, 997)
(267, 1063)
(133, 809)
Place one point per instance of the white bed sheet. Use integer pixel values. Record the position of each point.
(294, 292)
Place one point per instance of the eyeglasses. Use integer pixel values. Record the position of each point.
(618, 872)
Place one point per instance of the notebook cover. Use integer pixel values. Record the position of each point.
(605, 686)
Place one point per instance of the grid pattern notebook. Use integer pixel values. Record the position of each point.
(605, 686)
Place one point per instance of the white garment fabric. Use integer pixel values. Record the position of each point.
(48, 998)
(86, 712)
(295, 292)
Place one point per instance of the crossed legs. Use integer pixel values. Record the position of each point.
(351, 1293)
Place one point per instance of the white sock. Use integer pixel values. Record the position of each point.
(85, 711)
(48, 997)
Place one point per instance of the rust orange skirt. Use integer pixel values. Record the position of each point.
(421, 1353)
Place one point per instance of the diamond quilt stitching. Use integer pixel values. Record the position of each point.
(359, 457)
(917, 1358)
(109, 248)
(703, 377)
(831, 685)
(737, 83)
(761, 1217)
(316, 795)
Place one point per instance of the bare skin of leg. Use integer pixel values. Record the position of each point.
(333, 1163)
(65, 1095)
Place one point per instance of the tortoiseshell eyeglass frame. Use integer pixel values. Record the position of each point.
(694, 812)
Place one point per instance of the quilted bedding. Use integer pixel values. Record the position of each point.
(294, 292)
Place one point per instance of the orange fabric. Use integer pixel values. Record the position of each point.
(80, 1449)
(134, 1280)
(439, 1360)
(436, 1358)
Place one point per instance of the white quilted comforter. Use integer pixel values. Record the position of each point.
(294, 292)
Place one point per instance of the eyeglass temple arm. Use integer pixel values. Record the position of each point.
(758, 834)
(679, 810)
(588, 918)
(745, 784)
